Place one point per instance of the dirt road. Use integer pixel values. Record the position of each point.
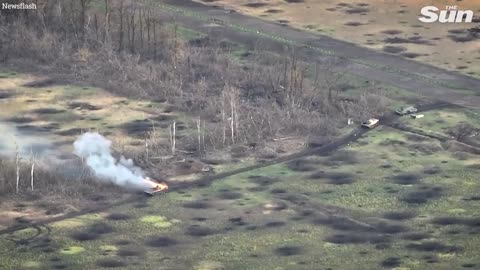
(423, 79)
(388, 120)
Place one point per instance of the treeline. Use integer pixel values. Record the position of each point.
(123, 46)
(122, 25)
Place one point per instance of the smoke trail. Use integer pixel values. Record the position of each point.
(95, 149)
(27, 143)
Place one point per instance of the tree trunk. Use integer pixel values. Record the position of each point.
(175, 45)
(154, 41)
(174, 137)
(107, 23)
(224, 127)
(148, 22)
(232, 119)
(83, 13)
(141, 14)
(17, 167)
(96, 26)
(199, 134)
(132, 22)
(120, 39)
(147, 154)
(203, 137)
(32, 174)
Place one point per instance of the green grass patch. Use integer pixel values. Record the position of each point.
(442, 121)
(159, 221)
(72, 250)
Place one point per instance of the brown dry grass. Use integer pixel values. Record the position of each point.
(240, 104)
(371, 23)
(54, 192)
(50, 180)
(270, 97)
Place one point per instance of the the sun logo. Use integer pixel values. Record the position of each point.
(449, 15)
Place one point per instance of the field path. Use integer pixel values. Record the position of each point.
(393, 70)
(388, 120)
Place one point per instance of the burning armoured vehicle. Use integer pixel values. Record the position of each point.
(371, 123)
(155, 187)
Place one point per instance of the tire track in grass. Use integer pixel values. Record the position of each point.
(388, 120)
(326, 52)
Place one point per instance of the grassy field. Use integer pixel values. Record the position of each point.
(64, 111)
(392, 27)
(378, 202)
(390, 200)
(442, 121)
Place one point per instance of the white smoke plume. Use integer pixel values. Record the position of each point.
(95, 149)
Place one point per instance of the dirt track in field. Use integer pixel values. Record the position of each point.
(393, 70)
(424, 79)
(388, 120)
(390, 26)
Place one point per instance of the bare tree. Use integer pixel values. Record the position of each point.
(155, 40)
(224, 127)
(461, 131)
(147, 146)
(140, 18)
(132, 25)
(121, 15)
(175, 45)
(331, 79)
(95, 23)
(199, 134)
(107, 22)
(32, 170)
(233, 98)
(203, 136)
(172, 130)
(148, 24)
(83, 14)
(17, 167)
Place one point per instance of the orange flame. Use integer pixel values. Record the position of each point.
(157, 186)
